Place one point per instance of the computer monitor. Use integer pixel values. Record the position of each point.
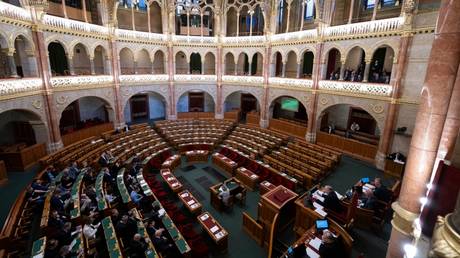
(365, 180)
(322, 224)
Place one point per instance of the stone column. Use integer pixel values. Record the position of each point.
(316, 76)
(71, 66)
(236, 68)
(188, 67)
(152, 71)
(264, 106)
(108, 66)
(64, 9)
(299, 70)
(431, 116)
(135, 67)
(366, 70)
(202, 66)
(219, 114)
(91, 63)
(342, 71)
(83, 7)
(237, 23)
(283, 71)
(350, 15)
(119, 121)
(392, 115)
(374, 13)
(171, 90)
(249, 69)
(11, 63)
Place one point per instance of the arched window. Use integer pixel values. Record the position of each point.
(280, 13)
(309, 10)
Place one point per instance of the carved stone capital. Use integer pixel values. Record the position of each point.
(445, 241)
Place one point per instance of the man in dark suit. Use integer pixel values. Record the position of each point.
(161, 243)
(331, 247)
(331, 201)
(381, 192)
(137, 246)
(370, 202)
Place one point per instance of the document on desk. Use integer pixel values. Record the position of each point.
(204, 217)
(214, 229)
(318, 206)
(315, 243)
(311, 253)
(318, 197)
(321, 212)
(191, 202)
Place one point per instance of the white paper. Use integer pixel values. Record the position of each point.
(315, 243)
(253, 176)
(170, 179)
(204, 217)
(184, 195)
(321, 212)
(214, 229)
(220, 235)
(317, 197)
(191, 202)
(311, 253)
(318, 206)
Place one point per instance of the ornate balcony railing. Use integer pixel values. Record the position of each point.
(133, 79)
(74, 26)
(360, 28)
(81, 81)
(195, 78)
(290, 82)
(139, 35)
(194, 39)
(298, 35)
(357, 87)
(257, 80)
(16, 86)
(14, 12)
(244, 40)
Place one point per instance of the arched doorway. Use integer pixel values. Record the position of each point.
(159, 63)
(289, 109)
(307, 66)
(195, 64)
(291, 65)
(242, 103)
(277, 65)
(85, 112)
(230, 64)
(381, 65)
(127, 61)
(58, 59)
(333, 65)
(101, 65)
(22, 128)
(81, 62)
(338, 119)
(26, 64)
(181, 63)
(209, 64)
(354, 65)
(195, 101)
(143, 63)
(145, 107)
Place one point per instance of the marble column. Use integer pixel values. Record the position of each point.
(188, 67)
(398, 70)
(434, 103)
(113, 56)
(249, 69)
(366, 70)
(71, 66)
(350, 15)
(374, 13)
(12, 65)
(283, 71)
(135, 67)
(299, 70)
(153, 68)
(202, 67)
(236, 68)
(91, 63)
(316, 77)
(342, 71)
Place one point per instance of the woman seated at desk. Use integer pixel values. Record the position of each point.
(331, 247)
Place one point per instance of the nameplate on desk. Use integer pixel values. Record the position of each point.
(204, 217)
(214, 229)
(318, 206)
(321, 212)
(311, 253)
(315, 243)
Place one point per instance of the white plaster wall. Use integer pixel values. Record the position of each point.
(208, 103)
(233, 101)
(406, 118)
(156, 107)
(182, 103)
(338, 115)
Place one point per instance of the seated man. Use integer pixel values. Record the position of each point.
(369, 200)
(331, 201)
(90, 230)
(138, 246)
(381, 192)
(161, 243)
(135, 196)
(224, 194)
(126, 228)
(331, 247)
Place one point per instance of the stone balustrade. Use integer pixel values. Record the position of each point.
(362, 28)
(375, 89)
(13, 12)
(135, 79)
(81, 81)
(17, 86)
(291, 82)
(245, 80)
(195, 78)
(73, 26)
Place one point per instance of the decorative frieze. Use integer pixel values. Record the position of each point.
(81, 81)
(252, 80)
(376, 89)
(13, 12)
(364, 28)
(291, 82)
(72, 26)
(136, 79)
(195, 78)
(17, 86)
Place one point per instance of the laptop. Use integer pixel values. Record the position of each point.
(322, 224)
(365, 180)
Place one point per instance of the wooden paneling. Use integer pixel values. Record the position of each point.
(232, 115)
(253, 118)
(25, 158)
(353, 147)
(79, 135)
(286, 127)
(254, 229)
(194, 115)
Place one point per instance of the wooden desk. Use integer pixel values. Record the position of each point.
(190, 202)
(224, 163)
(3, 174)
(247, 177)
(113, 247)
(274, 200)
(233, 184)
(195, 156)
(265, 187)
(172, 162)
(217, 233)
(392, 169)
(125, 197)
(171, 180)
